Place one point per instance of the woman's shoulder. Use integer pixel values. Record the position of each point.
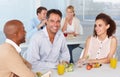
(113, 38)
(89, 38)
(75, 18)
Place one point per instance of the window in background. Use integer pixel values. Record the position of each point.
(87, 10)
(113, 1)
(37, 3)
(78, 5)
(94, 7)
(52, 4)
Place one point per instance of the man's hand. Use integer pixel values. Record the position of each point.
(43, 22)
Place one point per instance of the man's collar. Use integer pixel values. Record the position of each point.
(46, 32)
(14, 45)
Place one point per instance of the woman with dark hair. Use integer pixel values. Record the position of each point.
(102, 45)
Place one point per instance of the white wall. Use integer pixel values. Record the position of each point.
(55, 4)
(16, 9)
(25, 10)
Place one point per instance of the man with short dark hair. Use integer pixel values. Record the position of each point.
(48, 47)
(38, 22)
(11, 63)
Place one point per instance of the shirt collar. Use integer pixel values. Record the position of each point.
(46, 32)
(14, 45)
(103, 40)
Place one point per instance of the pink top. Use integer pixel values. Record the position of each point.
(99, 49)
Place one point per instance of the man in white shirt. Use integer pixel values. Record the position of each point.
(48, 47)
(11, 63)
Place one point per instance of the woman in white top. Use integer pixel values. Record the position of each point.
(70, 23)
(102, 45)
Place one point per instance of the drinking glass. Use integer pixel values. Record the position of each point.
(113, 63)
(60, 69)
(65, 34)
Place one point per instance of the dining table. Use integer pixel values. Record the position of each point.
(74, 42)
(104, 71)
(79, 39)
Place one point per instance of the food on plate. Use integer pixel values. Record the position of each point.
(39, 74)
(47, 74)
(68, 67)
(88, 66)
(96, 65)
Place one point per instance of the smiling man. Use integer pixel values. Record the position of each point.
(48, 46)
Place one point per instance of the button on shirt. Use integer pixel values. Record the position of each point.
(99, 49)
(43, 54)
(18, 49)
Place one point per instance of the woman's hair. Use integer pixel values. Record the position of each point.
(107, 19)
(71, 8)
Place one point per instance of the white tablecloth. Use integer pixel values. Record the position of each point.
(103, 71)
(76, 40)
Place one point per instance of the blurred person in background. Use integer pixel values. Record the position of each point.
(71, 26)
(37, 23)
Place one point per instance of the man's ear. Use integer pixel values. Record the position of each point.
(16, 34)
(46, 22)
(108, 26)
(38, 14)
